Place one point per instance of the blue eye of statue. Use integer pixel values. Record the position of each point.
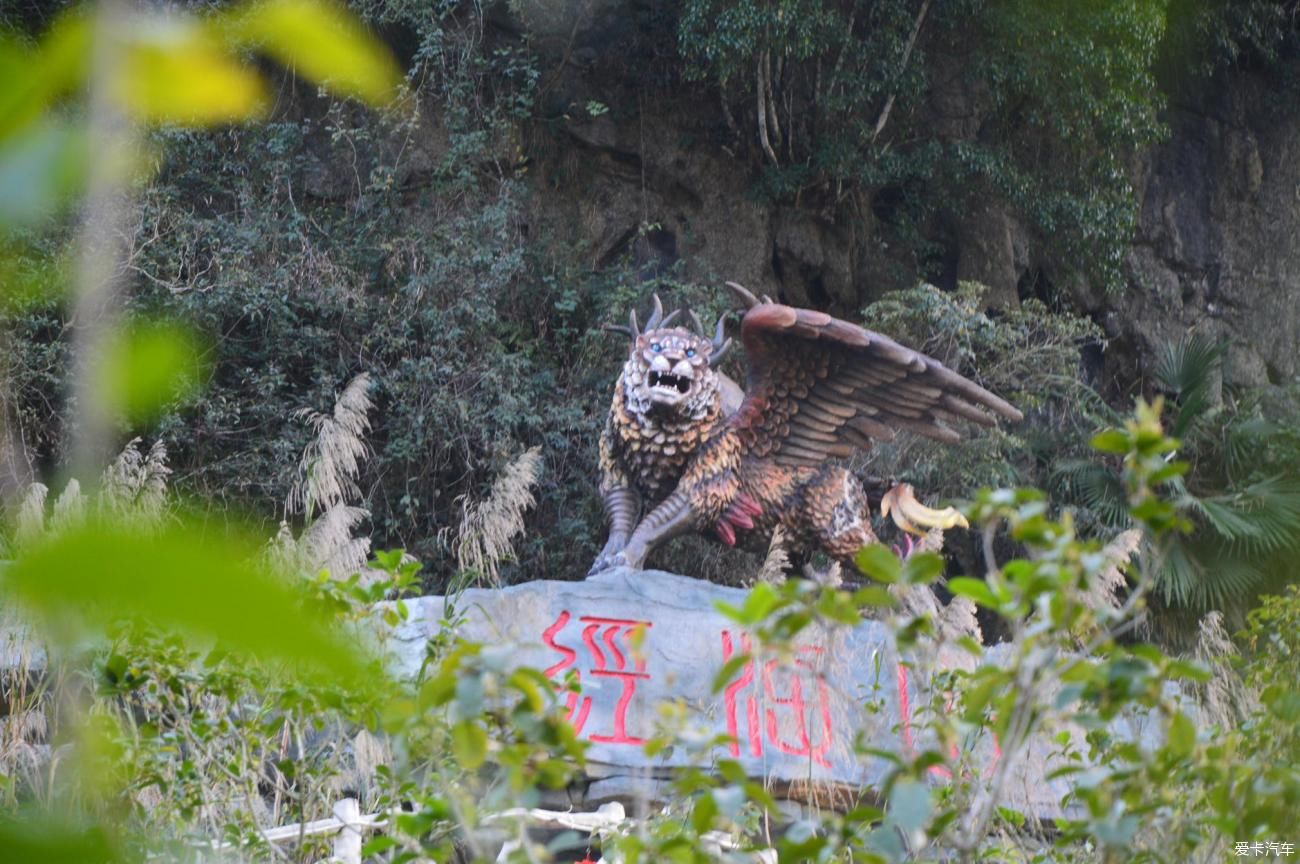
(656, 347)
(690, 352)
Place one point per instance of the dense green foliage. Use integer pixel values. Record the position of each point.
(1029, 354)
(1214, 34)
(1241, 491)
(174, 745)
(405, 242)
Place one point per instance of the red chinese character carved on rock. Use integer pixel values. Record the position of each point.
(789, 712)
(607, 660)
(905, 723)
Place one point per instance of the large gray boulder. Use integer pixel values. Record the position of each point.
(637, 640)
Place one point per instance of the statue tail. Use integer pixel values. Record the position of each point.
(913, 516)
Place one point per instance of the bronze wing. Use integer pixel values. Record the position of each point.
(821, 387)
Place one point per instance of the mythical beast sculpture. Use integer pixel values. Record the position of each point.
(675, 457)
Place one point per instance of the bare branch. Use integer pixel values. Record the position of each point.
(762, 87)
(907, 54)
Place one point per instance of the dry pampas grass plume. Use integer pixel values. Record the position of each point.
(330, 463)
(30, 524)
(327, 479)
(135, 485)
(328, 544)
(69, 508)
(488, 528)
(1105, 590)
(1224, 699)
(952, 621)
(134, 488)
(777, 561)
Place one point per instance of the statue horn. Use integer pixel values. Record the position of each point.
(670, 318)
(699, 325)
(744, 294)
(657, 317)
(720, 342)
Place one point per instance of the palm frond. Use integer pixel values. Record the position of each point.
(1094, 486)
(1188, 364)
(1251, 441)
(1241, 496)
(1220, 517)
(1187, 369)
(1258, 519)
(1204, 575)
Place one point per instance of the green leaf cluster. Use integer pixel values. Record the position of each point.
(1237, 491)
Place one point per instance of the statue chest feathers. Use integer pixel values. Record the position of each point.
(654, 448)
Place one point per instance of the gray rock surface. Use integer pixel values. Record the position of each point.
(638, 640)
(1216, 250)
(20, 649)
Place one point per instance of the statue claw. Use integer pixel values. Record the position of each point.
(913, 516)
(901, 553)
(614, 560)
(606, 559)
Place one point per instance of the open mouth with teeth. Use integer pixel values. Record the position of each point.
(669, 381)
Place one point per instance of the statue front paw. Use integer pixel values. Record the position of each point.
(606, 559)
(632, 557)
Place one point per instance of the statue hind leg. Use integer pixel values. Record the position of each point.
(835, 514)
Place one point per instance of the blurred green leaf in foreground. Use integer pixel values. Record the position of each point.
(149, 365)
(206, 586)
(73, 103)
(321, 41)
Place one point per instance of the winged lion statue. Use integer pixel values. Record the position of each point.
(684, 450)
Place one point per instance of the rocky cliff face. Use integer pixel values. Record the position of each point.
(1218, 246)
(1217, 250)
(665, 174)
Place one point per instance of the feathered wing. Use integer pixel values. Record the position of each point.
(821, 387)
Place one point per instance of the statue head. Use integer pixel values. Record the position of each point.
(670, 370)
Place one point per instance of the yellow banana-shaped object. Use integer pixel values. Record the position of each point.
(913, 516)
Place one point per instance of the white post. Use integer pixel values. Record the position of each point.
(347, 842)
